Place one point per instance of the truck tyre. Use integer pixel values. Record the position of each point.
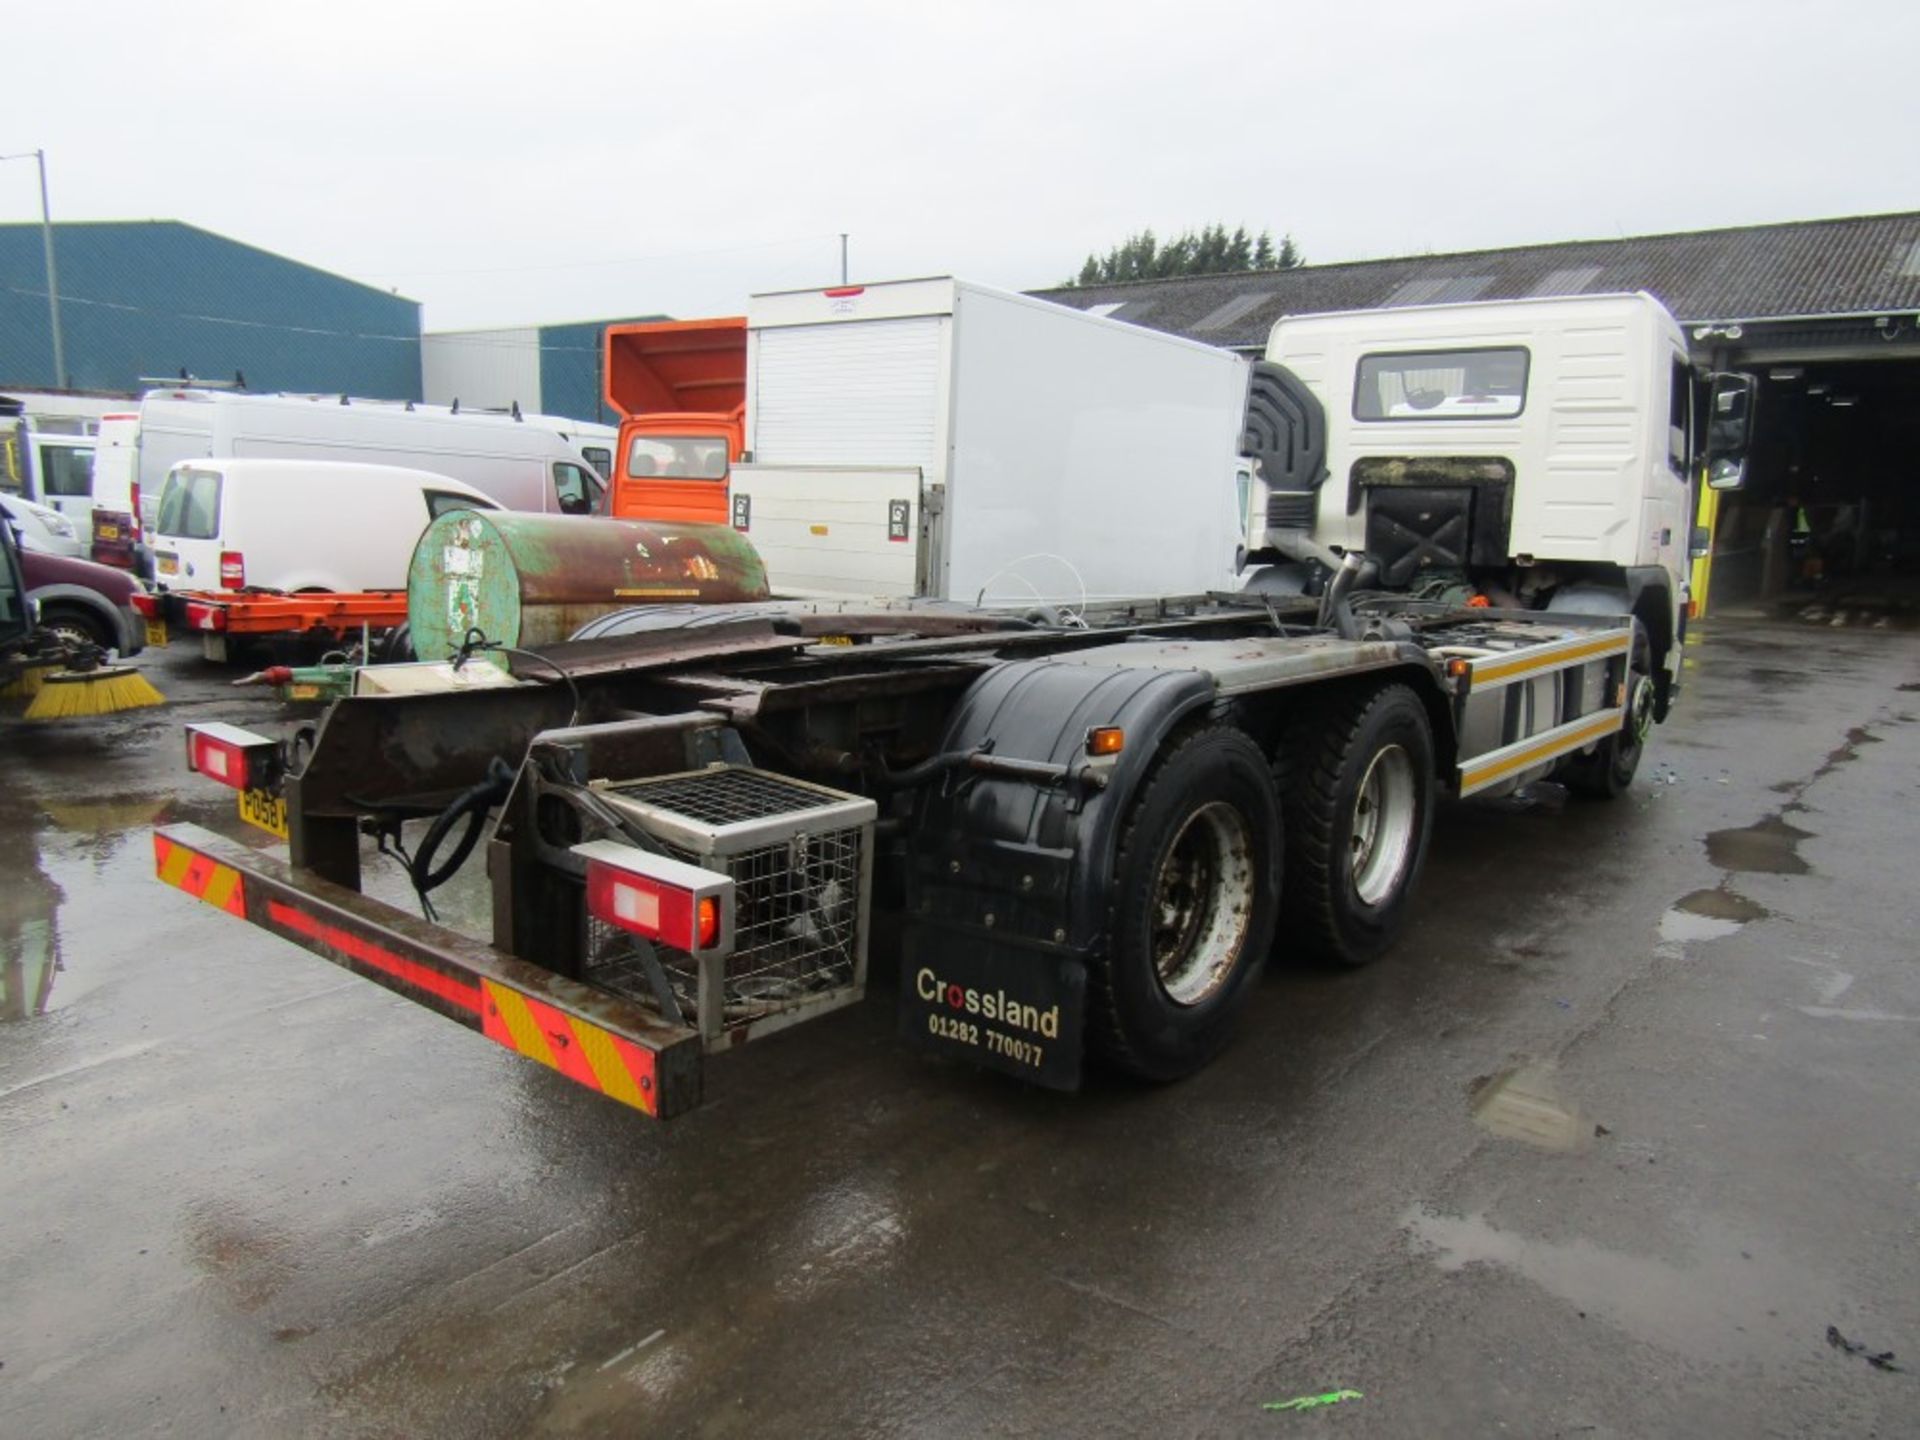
(1195, 888)
(1356, 788)
(74, 626)
(1609, 769)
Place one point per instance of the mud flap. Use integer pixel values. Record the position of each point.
(1005, 1007)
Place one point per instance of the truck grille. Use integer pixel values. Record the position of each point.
(800, 857)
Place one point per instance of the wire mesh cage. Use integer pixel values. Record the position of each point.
(800, 857)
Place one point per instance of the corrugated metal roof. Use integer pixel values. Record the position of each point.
(151, 297)
(1867, 263)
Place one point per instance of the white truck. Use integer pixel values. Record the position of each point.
(1097, 826)
(939, 438)
(1537, 453)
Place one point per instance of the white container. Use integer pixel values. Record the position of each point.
(934, 437)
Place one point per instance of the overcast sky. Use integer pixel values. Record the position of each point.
(537, 162)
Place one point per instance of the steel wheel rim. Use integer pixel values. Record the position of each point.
(1381, 837)
(1202, 903)
(1640, 710)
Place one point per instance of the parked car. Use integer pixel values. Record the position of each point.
(296, 524)
(42, 528)
(81, 602)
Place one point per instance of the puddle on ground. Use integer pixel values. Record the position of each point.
(1767, 847)
(1708, 1305)
(1524, 1104)
(1708, 915)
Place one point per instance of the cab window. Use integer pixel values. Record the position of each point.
(439, 502)
(577, 488)
(1426, 385)
(66, 470)
(1679, 408)
(599, 457)
(686, 457)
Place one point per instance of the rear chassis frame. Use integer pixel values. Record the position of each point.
(873, 702)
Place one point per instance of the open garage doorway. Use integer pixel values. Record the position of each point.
(1829, 518)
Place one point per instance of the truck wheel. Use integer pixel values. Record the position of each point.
(1195, 889)
(1609, 770)
(1357, 792)
(77, 627)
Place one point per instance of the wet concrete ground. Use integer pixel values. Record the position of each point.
(1603, 1149)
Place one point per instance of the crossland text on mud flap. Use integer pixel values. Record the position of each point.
(1012, 1010)
(992, 1005)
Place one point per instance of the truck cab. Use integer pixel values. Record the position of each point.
(680, 388)
(1539, 454)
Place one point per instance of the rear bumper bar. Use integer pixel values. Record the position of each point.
(593, 1038)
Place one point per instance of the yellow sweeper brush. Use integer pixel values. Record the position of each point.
(26, 684)
(72, 694)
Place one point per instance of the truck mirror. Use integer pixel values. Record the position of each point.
(1729, 472)
(1730, 419)
(1702, 543)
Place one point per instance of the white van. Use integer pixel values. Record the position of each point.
(296, 524)
(537, 463)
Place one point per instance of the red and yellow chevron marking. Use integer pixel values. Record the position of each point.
(219, 885)
(357, 947)
(578, 1049)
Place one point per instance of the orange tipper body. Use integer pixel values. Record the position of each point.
(680, 387)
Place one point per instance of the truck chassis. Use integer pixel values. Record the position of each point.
(1094, 831)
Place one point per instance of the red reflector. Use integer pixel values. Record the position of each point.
(217, 759)
(202, 616)
(146, 604)
(233, 570)
(840, 292)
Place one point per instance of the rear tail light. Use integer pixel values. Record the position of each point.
(658, 898)
(235, 757)
(233, 570)
(134, 504)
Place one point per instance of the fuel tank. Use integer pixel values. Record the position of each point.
(526, 580)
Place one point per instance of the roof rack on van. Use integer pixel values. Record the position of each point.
(239, 381)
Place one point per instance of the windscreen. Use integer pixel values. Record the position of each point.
(1441, 385)
(190, 505)
(687, 457)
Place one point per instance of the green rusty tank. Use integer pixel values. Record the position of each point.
(527, 580)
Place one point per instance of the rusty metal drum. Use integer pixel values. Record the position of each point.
(524, 579)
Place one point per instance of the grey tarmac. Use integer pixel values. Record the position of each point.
(1602, 1149)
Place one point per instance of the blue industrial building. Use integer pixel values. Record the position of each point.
(156, 297)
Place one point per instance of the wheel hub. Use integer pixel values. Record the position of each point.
(1381, 836)
(1203, 894)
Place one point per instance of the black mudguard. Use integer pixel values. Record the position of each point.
(1007, 879)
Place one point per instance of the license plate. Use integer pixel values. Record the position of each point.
(106, 532)
(267, 810)
(156, 632)
(169, 564)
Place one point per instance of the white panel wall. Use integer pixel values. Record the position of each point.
(482, 369)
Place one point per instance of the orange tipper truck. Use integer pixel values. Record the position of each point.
(680, 387)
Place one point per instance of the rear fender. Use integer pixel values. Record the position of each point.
(1008, 880)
